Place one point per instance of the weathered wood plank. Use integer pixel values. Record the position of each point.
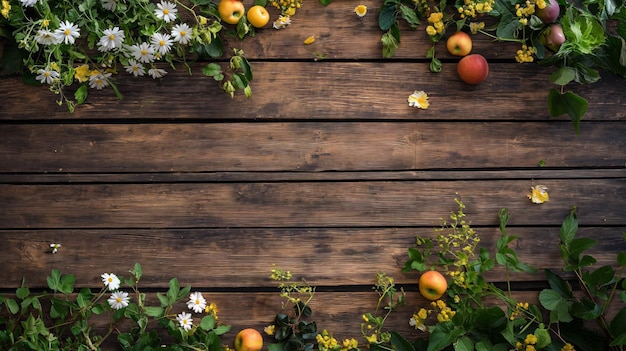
(303, 204)
(237, 258)
(322, 146)
(202, 177)
(323, 90)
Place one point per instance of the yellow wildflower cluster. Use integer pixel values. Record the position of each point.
(436, 25)
(443, 314)
(472, 8)
(422, 7)
(212, 310)
(568, 347)
(528, 344)
(525, 10)
(525, 54)
(280, 275)
(6, 7)
(419, 319)
(81, 73)
(519, 310)
(458, 278)
(326, 342)
(287, 7)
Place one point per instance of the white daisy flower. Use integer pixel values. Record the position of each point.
(185, 320)
(156, 73)
(166, 11)
(143, 52)
(47, 75)
(46, 37)
(196, 302)
(419, 99)
(110, 280)
(118, 300)
(54, 248)
(135, 68)
(162, 43)
(109, 4)
(99, 81)
(282, 22)
(67, 32)
(28, 3)
(112, 39)
(181, 33)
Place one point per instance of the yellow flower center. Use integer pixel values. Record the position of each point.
(111, 37)
(166, 11)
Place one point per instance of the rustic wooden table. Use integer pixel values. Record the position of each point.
(326, 171)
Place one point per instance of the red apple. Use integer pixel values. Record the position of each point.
(248, 340)
(549, 13)
(432, 285)
(459, 44)
(552, 37)
(473, 69)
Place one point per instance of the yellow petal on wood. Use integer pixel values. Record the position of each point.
(539, 194)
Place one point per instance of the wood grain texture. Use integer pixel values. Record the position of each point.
(229, 258)
(305, 146)
(326, 171)
(323, 90)
(303, 204)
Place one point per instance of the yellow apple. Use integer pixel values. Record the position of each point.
(459, 44)
(432, 285)
(248, 340)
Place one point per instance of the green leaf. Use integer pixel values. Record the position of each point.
(137, 271)
(567, 103)
(12, 306)
(409, 15)
(443, 335)
(464, 344)
(207, 323)
(154, 311)
(390, 44)
(621, 259)
(558, 284)
(569, 227)
(387, 16)
(80, 95)
(399, 343)
(221, 329)
(579, 245)
(550, 299)
(326, 2)
(22, 292)
(563, 75)
(543, 337)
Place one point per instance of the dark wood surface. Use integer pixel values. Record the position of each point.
(326, 171)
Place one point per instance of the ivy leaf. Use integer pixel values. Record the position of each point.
(570, 103)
